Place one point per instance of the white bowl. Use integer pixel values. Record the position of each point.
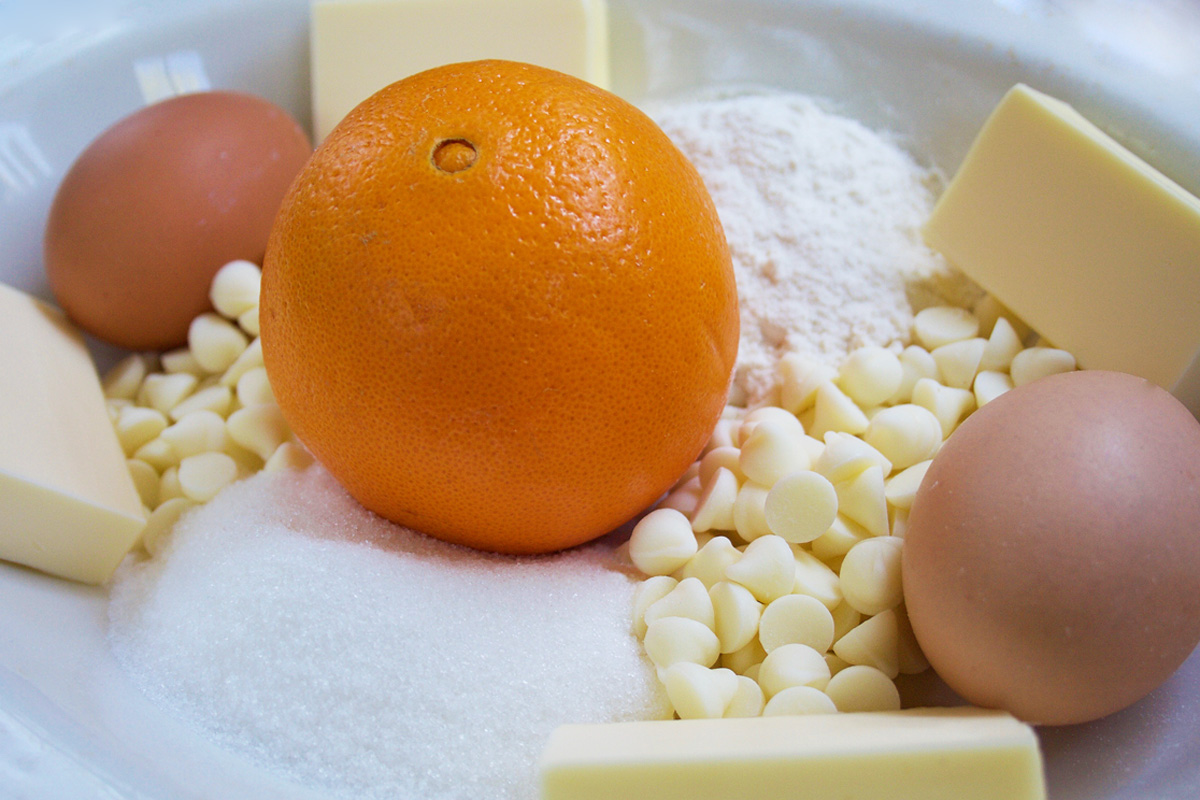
(72, 725)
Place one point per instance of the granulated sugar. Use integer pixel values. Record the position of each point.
(823, 220)
(292, 626)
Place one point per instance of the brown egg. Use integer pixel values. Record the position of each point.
(158, 203)
(1051, 566)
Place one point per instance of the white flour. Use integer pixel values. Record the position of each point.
(823, 220)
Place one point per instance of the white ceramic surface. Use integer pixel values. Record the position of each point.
(72, 725)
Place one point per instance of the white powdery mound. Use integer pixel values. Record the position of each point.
(292, 626)
(823, 220)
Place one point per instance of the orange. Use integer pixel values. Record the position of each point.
(498, 306)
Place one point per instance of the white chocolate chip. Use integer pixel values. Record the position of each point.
(711, 561)
(217, 399)
(846, 455)
(748, 700)
(215, 341)
(915, 363)
(647, 593)
(749, 514)
(801, 506)
(181, 360)
(145, 479)
(662, 542)
(248, 321)
(1002, 345)
(161, 521)
(125, 378)
(746, 660)
(959, 361)
(902, 487)
(870, 575)
(989, 385)
(714, 509)
(870, 375)
(235, 288)
(835, 411)
(202, 476)
(792, 665)
(736, 613)
(845, 619)
(796, 619)
(875, 642)
(163, 392)
(815, 579)
(250, 358)
(697, 692)
(767, 568)
(862, 688)
(940, 325)
(725, 456)
(905, 434)
(136, 426)
(843, 534)
(670, 640)
(771, 450)
(1038, 362)
(688, 598)
(684, 497)
(947, 403)
(862, 499)
(799, 378)
(799, 700)
(260, 428)
(201, 431)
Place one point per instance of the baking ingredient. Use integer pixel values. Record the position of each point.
(799, 539)
(823, 218)
(361, 46)
(1082, 239)
(70, 506)
(194, 419)
(158, 203)
(1051, 565)
(955, 754)
(498, 306)
(290, 625)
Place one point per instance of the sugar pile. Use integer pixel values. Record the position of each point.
(823, 220)
(288, 624)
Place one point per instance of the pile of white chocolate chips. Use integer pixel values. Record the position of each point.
(769, 577)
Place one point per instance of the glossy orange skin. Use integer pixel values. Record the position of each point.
(521, 348)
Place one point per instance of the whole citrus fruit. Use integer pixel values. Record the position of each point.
(498, 306)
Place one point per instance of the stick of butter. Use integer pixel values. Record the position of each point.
(932, 754)
(360, 46)
(68, 505)
(1087, 243)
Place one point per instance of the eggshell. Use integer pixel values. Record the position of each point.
(158, 203)
(1051, 565)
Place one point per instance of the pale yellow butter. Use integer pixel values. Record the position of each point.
(360, 46)
(932, 754)
(1086, 242)
(68, 505)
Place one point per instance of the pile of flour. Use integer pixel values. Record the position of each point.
(823, 219)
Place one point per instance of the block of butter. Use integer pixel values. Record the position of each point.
(932, 754)
(360, 46)
(68, 505)
(1086, 242)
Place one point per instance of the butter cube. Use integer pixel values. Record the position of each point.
(360, 46)
(934, 754)
(69, 504)
(1083, 240)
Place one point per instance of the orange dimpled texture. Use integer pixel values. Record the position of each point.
(498, 306)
